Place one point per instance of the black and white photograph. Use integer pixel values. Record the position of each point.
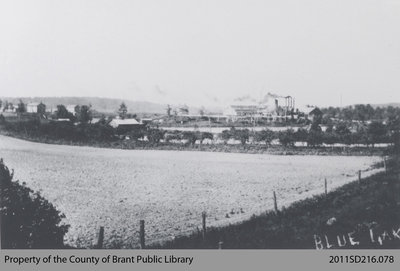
(187, 124)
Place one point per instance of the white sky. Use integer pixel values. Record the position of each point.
(202, 52)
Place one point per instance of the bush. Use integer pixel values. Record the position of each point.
(226, 135)
(265, 135)
(242, 135)
(190, 136)
(206, 135)
(314, 138)
(287, 138)
(154, 135)
(27, 219)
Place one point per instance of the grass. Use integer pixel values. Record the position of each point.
(354, 208)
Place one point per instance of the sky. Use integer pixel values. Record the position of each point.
(205, 52)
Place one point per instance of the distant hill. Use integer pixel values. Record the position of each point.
(105, 105)
(386, 105)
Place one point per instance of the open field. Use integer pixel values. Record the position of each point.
(168, 189)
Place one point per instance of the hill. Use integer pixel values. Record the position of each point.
(386, 105)
(105, 105)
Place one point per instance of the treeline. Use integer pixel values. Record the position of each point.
(342, 133)
(60, 130)
(374, 133)
(360, 112)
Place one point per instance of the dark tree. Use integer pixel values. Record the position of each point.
(242, 135)
(301, 135)
(41, 109)
(314, 138)
(343, 133)
(77, 110)
(376, 132)
(206, 135)
(136, 134)
(122, 111)
(265, 135)
(202, 111)
(154, 135)
(226, 135)
(287, 138)
(169, 110)
(27, 219)
(62, 112)
(190, 136)
(85, 114)
(394, 130)
(21, 107)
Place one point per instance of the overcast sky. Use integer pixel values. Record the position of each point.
(202, 52)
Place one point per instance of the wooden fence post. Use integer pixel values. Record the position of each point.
(384, 164)
(204, 225)
(142, 240)
(359, 177)
(101, 238)
(275, 203)
(326, 188)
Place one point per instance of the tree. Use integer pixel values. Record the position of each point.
(41, 109)
(242, 135)
(376, 132)
(226, 135)
(315, 126)
(77, 110)
(330, 137)
(136, 134)
(301, 135)
(360, 136)
(202, 111)
(343, 133)
(265, 135)
(169, 110)
(314, 138)
(27, 219)
(394, 129)
(173, 135)
(62, 112)
(21, 107)
(206, 135)
(103, 120)
(85, 114)
(154, 135)
(287, 138)
(122, 111)
(190, 136)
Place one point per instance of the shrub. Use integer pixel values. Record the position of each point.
(206, 135)
(226, 135)
(376, 132)
(154, 135)
(27, 219)
(287, 138)
(265, 135)
(190, 136)
(314, 138)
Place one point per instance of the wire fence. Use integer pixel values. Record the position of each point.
(201, 230)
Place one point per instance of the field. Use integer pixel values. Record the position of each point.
(114, 188)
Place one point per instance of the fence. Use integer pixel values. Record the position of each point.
(203, 231)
